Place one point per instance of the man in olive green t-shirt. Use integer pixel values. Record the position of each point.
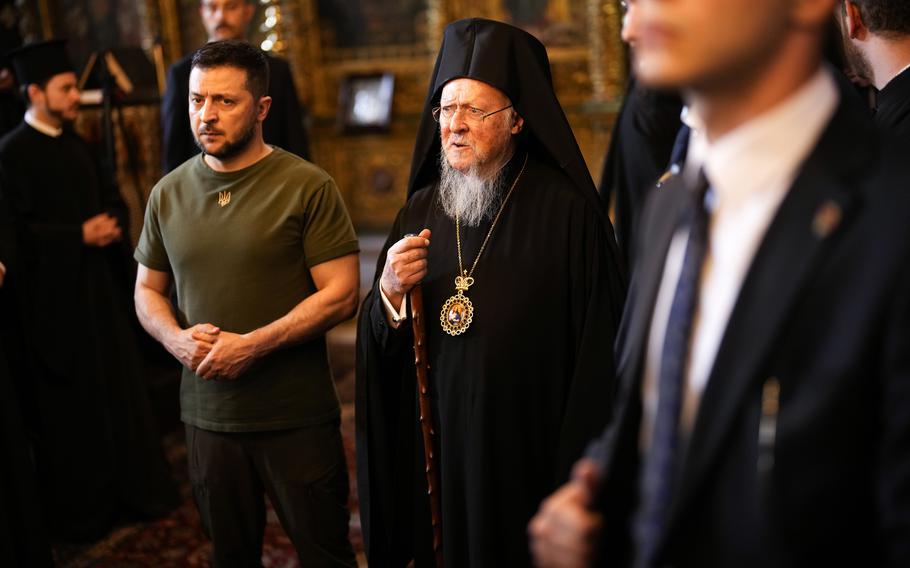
(264, 259)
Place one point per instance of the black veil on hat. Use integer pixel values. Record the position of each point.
(38, 62)
(516, 63)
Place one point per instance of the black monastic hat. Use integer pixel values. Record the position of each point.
(38, 62)
(516, 63)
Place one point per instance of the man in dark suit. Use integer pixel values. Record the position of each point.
(284, 127)
(764, 405)
(877, 45)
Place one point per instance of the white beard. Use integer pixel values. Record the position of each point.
(469, 196)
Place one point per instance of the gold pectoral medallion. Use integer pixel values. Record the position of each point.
(458, 311)
(224, 197)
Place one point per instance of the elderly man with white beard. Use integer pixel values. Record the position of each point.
(504, 231)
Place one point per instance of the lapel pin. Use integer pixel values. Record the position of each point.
(827, 218)
(674, 169)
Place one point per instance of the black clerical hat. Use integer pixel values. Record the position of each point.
(516, 63)
(38, 62)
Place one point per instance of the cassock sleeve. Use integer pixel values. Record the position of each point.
(66, 238)
(21, 214)
(598, 293)
(385, 420)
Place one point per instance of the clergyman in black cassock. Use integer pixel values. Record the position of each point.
(97, 448)
(517, 395)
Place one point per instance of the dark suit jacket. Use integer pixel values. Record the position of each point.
(825, 311)
(283, 127)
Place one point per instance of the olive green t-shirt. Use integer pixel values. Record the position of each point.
(240, 246)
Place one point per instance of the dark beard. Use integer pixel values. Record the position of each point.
(857, 63)
(58, 114)
(233, 148)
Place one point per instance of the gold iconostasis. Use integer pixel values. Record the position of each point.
(361, 69)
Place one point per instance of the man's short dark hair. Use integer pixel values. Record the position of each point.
(238, 54)
(886, 17)
(23, 91)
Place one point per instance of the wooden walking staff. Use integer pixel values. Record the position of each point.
(426, 418)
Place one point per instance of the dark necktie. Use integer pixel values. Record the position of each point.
(662, 460)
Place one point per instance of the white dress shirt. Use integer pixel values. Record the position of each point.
(395, 316)
(750, 170)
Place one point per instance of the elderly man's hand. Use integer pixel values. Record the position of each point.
(190, 346)
(564, 531)
(405, 266)
(230, 356)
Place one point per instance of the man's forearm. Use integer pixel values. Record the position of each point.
(156, 314)
(310, 318)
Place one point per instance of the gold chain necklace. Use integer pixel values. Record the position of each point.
(458, 311)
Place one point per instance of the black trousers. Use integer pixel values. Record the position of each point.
(304, 474)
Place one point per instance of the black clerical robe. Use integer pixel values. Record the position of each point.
(97, 447)
(515, 398)
(23, 541)
(640, 151)
(893, 105)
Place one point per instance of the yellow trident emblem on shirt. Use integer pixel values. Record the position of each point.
(224, 197)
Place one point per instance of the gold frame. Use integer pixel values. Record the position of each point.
(170, 30)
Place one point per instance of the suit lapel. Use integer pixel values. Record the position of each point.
(818, 205)
(658, 228)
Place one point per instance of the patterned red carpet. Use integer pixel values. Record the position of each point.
(177, 540)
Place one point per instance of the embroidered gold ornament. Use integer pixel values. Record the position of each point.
(224, 197)
(458, 311)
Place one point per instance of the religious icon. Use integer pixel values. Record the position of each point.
(366, 102)
(457, 314)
